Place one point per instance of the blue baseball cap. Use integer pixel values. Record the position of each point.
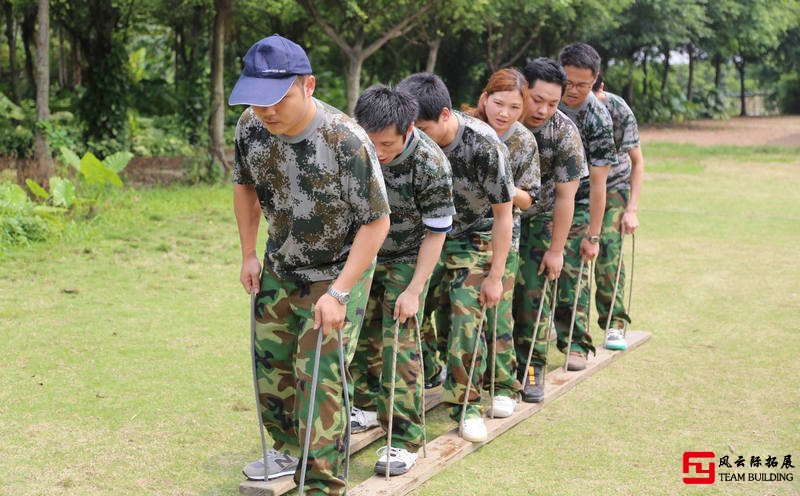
(271, 66)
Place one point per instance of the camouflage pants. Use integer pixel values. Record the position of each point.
(285, 344)
(605, 269)
(567, 282)
(506, 383)
(535, 238)
(456, 281)
(371, 369)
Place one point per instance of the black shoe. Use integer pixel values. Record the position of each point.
(533, 393)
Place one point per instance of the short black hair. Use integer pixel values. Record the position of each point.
(547, 70)
(597, 82)
(380, 107)
(580, 55)
(431, 94)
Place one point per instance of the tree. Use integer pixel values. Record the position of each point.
(653, 28)
(216, 118)
(360, 30)
(11, 38)
(759, 26)
(28, 31)
(41, 150)
(511, 29)
(719, 41)
(95, 25)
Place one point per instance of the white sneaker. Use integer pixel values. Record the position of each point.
(400, 461)
(278, 465)
(614, 340)
(362, 420)
(503, 406)
(474, 430)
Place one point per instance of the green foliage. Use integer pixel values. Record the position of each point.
(64, 194)
(158, 136)
(37, 190)
(103, 107)
(788, 94)
(23, 221)
(16, 133)
(19, 222)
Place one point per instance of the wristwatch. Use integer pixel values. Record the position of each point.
(341, 296)
(593, 239)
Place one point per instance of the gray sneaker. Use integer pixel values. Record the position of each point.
(362, 420)
(278, 465)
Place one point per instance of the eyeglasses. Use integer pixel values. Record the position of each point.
(580, 86)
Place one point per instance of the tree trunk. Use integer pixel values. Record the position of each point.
(433, 53)
(76, 76)
(665, 75)
(62, 61)
(352, 75)
(28, 32)
(644, 79)
(629, 86)
(103, 106)
(216, 118)
(742, 96)
(41, 150)
(690, 82)
(11, 37)
(717, 72)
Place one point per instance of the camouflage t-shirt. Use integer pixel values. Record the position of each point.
(523, 157)
(626, 138)
(316, 189)
(597, 132)
(561, 160)
(419, 184)
(481, 175)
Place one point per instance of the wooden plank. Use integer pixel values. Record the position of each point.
(276, 487)
(449, 447)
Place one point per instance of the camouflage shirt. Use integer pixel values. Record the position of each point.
(481, 175)
(561, 160)
(597, 133)
(316, 189)
(523, 157)
(626, 138)
(420, 186)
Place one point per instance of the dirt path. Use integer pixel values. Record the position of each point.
(743, 131)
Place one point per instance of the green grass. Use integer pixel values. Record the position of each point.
(125, 370)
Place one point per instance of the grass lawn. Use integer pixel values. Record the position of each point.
(125, 370)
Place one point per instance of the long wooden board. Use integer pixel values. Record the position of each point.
(360, 441)
(449, 447)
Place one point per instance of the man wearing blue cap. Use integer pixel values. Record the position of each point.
(314, 175)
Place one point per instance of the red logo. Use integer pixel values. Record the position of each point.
(702, 475)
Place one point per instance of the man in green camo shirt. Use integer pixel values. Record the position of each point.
(581, 63)
(420, 189)
(546, 224)
(312, 173)
(474, 256)
(623, 187)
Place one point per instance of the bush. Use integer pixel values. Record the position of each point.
(16, 129)
(23, 221)
(19, 222)
(158, 136)
(17, 124)
(789, 93)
